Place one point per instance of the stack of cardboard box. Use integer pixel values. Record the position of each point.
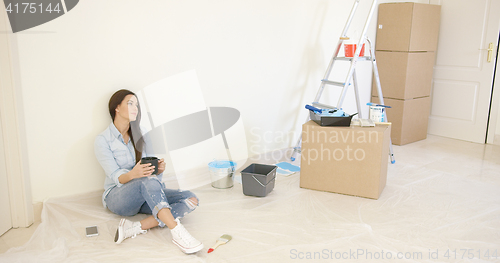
(407, 37)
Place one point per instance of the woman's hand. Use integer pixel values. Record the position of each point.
(142, 170)
(161, 166)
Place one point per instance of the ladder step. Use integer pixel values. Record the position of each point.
(324, 106)
(340, 84)
(350, 58)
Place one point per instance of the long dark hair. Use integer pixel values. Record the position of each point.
(134, 128)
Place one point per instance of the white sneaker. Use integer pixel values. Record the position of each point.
(187, 243)
(127, 229)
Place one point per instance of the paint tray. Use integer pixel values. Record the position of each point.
(323, 120)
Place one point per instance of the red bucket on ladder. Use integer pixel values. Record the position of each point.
(350, 49)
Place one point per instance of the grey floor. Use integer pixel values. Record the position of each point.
(441, 204)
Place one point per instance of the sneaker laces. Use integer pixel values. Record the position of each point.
(134, 230)
(184, 235)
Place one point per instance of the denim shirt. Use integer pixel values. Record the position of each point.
(116, 157)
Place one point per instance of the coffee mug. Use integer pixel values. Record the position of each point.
(153, 161)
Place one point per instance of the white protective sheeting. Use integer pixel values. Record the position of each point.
(441, 196)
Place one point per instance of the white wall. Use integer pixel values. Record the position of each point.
(264, 58)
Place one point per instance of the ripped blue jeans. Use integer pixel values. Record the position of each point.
(148, 196)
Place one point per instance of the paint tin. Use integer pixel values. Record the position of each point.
(377, 114)
(221, 173)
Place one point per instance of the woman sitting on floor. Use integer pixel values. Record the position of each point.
(130, 187)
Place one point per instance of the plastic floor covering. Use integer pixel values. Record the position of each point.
(441, 204)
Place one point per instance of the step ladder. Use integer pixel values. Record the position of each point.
(351, 75)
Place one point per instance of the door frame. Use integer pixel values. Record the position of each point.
(494, 103)
(13, 128)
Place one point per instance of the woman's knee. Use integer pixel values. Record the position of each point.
(192, 203)
(151, 183)
(194, 200)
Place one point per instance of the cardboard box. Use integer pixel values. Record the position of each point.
(346, 160)
(408, 27)
(409, 119)
(404, 75)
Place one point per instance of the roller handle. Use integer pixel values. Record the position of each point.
(309, 107)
